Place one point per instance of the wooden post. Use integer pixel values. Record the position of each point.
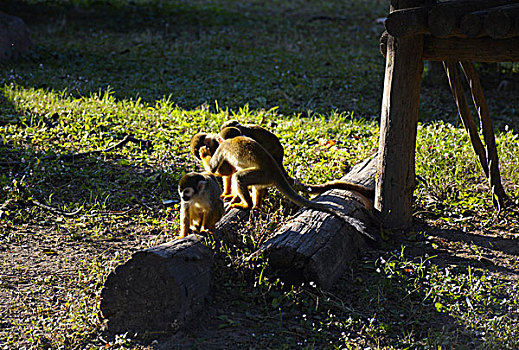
(395, 181)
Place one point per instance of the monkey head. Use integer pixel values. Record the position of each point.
(202, 139)
(191, 185)
(232, 122)
(229, 133)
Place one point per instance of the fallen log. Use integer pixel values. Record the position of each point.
(316, 246)
(160, 288)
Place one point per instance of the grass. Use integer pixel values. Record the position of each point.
(310, 71)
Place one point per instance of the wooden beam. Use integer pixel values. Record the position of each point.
(453, 19)
(496, 22)
(395, 180)
(406, 22)
(479, 49)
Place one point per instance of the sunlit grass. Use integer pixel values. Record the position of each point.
(162, 71)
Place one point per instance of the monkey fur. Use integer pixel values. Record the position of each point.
(257, 169)
(272, 145)
(201, 206)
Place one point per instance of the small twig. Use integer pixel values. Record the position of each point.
(56, 210)
(125, 140)
(73, 156)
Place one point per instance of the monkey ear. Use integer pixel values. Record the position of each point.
(201, 185)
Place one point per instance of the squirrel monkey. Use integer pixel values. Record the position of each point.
(257, 169)
(211, 141)
(265, 138)
(272, 145)
(201, 206)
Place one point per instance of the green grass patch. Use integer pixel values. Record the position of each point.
(310, 72)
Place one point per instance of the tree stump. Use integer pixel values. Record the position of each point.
(316, 246)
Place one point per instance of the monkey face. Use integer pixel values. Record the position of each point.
(190, 186)
(202, 139)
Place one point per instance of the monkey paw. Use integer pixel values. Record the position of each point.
(226, 197)
(240, 205)
(204, 151)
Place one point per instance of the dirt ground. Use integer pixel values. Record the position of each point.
(40, 266)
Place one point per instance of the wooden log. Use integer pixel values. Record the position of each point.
(406, 22)
(451, 69)
(496, 22)
(315, 246)
(478, 49)
(471, 25)
(160, 289)
(498, 193)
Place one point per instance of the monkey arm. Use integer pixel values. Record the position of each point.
(184, 222)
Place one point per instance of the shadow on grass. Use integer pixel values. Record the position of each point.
(264, 55)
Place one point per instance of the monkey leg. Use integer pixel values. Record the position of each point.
(227, 187)
(257, 196)
(241, 180)
(184, 223)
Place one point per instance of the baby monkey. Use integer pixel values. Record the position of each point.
(201, 206)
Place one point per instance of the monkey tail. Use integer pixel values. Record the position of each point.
(341, 185)
(330, 185)
(291, 194)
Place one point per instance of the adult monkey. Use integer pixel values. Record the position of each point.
(256, 169)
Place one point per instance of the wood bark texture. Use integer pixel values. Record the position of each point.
(159, 288)
(455, 19)
(496, 22)
(478, 49)
(444, 19)
(399, 116)
(316, 246)
(405, 22)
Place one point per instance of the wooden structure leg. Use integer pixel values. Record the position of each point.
(489, 159)
(395, 180)
(451, 68)
(498, 193)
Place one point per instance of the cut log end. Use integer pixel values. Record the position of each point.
(158, 289)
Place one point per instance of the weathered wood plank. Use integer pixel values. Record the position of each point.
(478, 49)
